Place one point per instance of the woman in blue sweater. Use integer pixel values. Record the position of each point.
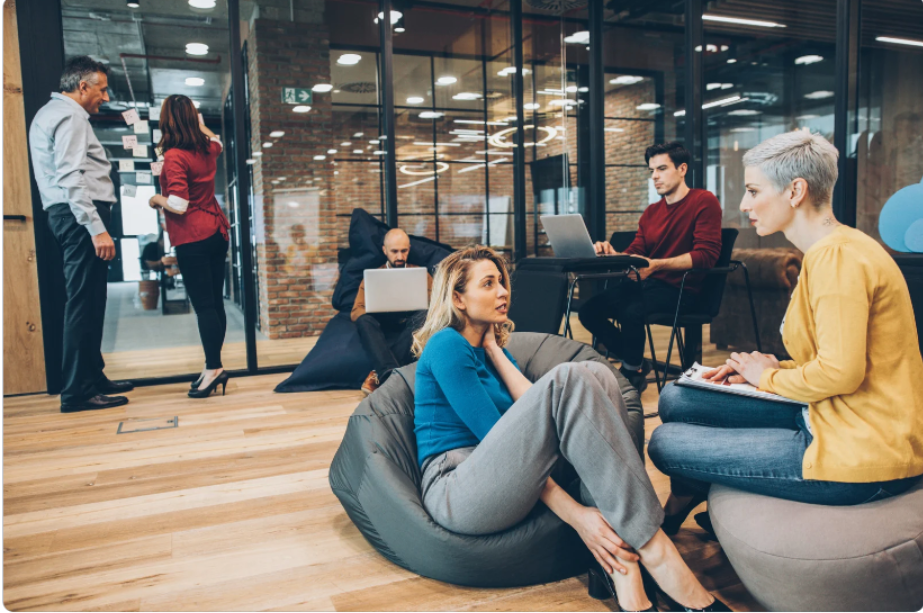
(488, 439)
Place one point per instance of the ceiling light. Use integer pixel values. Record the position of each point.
(374, 142)
(202, 4)
(819, 95)
(743, 22)
(498, 139)
(743, 129)
(712, 86)
(564, 102)
(743, 112)
(723, 102)
(196, 48)
(358, 134)
(358, 151)
(571, 89)
(276, 134)
(809, 59)
(322, 88)
(395, 15)
(732, 61)
(349, 59)
(724, 48)
(648, 106)
(578, 38)
(899, 41)
(399, 26)
(466, 96)
(251, 161)
(346, 144)
(267, 145)
(258, 154)
(613, 129)
(415, 100)
(446, 80)
(133, 4)
(512, 70)
(626, 80)
(301, 108)
(583, 89)
(194, 81)
(331, 151)
(196, 103)
(430, 115)
(379, 152)
(806, 117)
(531, 106)
(318, 158)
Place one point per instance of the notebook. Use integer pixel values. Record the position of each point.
(693, 378)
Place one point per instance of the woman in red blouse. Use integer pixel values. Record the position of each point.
(197, 226)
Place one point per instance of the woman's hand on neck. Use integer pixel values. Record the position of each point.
(810, 225)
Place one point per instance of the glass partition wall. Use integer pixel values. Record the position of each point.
(297, 93)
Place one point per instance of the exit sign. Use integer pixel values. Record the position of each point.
(296, 95)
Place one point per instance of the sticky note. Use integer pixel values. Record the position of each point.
(130, 141)
(143, 178)
(131, 116)
(142, 127)
(126, 165)
(156, 168)
(157, 135)
(140, 151)
(130, 191)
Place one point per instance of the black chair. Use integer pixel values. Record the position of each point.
(705, 309)
(621, 240)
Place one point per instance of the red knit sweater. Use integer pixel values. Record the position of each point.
(692, 225)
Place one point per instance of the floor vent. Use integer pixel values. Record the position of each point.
(146, 425)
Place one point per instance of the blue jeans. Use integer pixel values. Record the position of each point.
(748, 444)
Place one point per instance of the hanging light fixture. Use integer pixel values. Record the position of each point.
(133, 4)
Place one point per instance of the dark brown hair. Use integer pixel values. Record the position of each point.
(179, 126)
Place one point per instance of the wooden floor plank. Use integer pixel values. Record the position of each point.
(230, 511)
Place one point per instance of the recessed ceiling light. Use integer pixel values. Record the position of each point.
(583, 89)
(349, 59)
(346, 144)
(358, 151)
(378, 152)
(531, 106)
(276, 134)
(466, 96)
(806, 117)
(743, 129)
(195, 81)
(809, 59)
(561, 102)
(202, 4)
(626, 80)
(578, 38)
(743, 22)
(648, 106)
(743, 112)
(430, 115)
(899, 41)
(819, 95)
(301, 108)
(133, 4)
(571, 89)
(446, 80)
(320, 157)
(732, 61)
(267, 145)
(358, 134)
(374, 142)
(331, 151)
(510, 70)
(251, 161)
(415, 100)
(258, 154)
(322, 88)
(196, 48)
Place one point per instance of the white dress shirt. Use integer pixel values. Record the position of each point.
(69, 162)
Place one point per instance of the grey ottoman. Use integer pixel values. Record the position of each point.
(376, 477)
(803, 557)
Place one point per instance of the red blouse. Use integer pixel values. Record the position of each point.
(189, 177)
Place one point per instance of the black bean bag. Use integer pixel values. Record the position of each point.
(338, 361)
(376, 477)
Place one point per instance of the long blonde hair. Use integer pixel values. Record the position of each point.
(452, 275)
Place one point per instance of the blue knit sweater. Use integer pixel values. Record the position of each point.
(459, 395)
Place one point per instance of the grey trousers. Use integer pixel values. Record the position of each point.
(575, 412)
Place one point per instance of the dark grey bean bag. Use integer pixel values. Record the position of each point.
(376, 477)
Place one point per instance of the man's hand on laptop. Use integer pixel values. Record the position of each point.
(604, 248)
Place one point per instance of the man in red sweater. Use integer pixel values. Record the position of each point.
(680, 231)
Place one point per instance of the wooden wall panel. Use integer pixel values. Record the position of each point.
(24, 357)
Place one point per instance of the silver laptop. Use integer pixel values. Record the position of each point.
(389, 290)
(568, 236)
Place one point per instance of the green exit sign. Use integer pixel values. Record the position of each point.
(297, 95)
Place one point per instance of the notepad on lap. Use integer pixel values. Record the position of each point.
(693, 378)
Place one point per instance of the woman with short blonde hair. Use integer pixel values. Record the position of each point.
(488, 439)
(856, 362)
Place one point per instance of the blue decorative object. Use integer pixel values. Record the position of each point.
(901, 221)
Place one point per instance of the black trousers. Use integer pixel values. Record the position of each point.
(203, 266)
(85, 309)
(387, 339)
(624, 302)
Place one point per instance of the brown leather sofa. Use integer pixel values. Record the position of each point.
(773, 275)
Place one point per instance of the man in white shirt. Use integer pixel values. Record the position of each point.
(72, 172)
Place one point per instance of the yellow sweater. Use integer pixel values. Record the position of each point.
(851, 330)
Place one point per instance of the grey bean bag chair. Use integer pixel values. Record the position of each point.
(376, 477)
(804, 557)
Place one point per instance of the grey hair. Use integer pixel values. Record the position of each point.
(798, 155)
(81, 68)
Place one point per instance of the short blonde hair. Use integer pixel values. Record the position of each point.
(452, 275)
(798, 155)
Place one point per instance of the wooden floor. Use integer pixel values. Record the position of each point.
(229, 511)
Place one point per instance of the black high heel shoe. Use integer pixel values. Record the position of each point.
(672, 523)
(651, 587)
(195, 384)
(205, 392)
(601, 587)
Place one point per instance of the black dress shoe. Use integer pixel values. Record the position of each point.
(114, 387)
(96, 402)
